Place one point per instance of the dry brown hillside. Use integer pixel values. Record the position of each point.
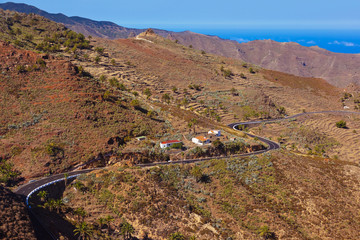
(15, 222)
(279, 195)
(338, 69)
(53, 118)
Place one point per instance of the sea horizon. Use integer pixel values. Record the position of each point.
(339, 41)
(334, 40)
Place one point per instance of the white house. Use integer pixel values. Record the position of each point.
(215, 132)
(200, 140)
(168, 143)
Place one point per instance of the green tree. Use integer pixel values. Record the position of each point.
(99, 50)
(251, 70)
(97, 59)
(233, 91)
(135, 103)
(192, 123)
(126, 230)
(106, 95)
(84, 230)
(341, 124)
(66, 176)
(58, 205)
(151, 114)
(80, 213)
(101, 221)
(265, 233)
(50, 204)
(43, 195)
(177, 236)
(197, 173)
(147, 92)
(174, 89)
(218, 145)
(108, 220)
(166, 98)
(7, 174)
(113, 62)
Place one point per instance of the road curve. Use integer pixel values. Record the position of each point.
(27, 189)
(30, 188)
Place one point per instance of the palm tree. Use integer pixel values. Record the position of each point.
(84, 230)
(101, 222)
(50, 204)
(81, 213)
(43, 195)
(126, 229)
(109, 219)
(58, 204)
(66, 175)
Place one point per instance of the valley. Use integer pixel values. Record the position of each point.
(74, 104)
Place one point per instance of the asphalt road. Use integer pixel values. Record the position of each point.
(26, 189)
(33, 186)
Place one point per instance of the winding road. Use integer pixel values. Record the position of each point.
(31, 187)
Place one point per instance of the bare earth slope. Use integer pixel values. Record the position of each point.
(15, 222)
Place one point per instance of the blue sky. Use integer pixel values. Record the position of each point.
(188, 14)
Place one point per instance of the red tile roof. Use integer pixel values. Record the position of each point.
(202, 138)
(171, 141)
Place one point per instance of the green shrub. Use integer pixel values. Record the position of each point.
(97, 59)
(99, 50)
(106, 95)
(177, 145)
(29, 37)
(147, 92)
(102, 78)
(21, 69)
(177, 235)
(341, 124)
(54, 149)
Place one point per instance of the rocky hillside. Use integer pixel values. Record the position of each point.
(55, 116)
(277, 196)
(338, 69)
(15, 222)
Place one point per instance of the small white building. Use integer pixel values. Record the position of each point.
(215, 132)
(200, 140)
(169, 143)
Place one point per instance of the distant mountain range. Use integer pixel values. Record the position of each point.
(338, 69)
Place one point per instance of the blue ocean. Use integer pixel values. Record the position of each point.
(340, 41)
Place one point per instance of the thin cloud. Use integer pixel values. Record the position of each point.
(311, 42)
(346, 44)
(241, 40)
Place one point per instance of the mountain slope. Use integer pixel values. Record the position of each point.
(338, 69)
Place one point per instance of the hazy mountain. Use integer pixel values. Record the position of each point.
(103, 29)
(338, 69)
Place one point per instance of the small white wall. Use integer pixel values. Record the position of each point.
(196, 141)
(164, 145)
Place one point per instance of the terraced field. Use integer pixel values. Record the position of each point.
(349, 148)
(318, 135)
